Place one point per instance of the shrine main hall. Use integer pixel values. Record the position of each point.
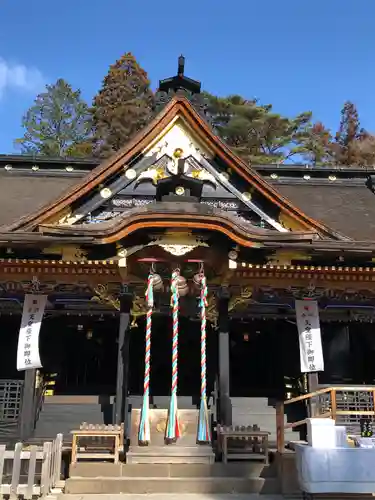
(170, 274)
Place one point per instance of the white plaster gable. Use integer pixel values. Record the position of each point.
(177, 135)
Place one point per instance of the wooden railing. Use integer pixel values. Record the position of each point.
(347, 405)
(29, 471)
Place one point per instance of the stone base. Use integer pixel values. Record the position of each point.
(170, 455)
(108, 478)
(185, 450)
(188, 420)
(167, 485)
(247, 470)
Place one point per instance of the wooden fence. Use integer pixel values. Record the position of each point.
(30, 471)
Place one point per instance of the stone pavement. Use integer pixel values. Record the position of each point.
(173, 496)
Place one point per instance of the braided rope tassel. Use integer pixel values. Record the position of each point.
(204, 434)
(144, 426)
(172, 429)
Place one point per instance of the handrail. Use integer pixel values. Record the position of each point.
(354, 388)
(307, 396)
(332, 412)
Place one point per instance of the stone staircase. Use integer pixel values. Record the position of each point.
(62, 414)
(262, 412)
(142, 479)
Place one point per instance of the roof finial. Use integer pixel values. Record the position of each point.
(181, 66)
(180, 82)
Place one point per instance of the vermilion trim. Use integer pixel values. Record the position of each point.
(190, 220)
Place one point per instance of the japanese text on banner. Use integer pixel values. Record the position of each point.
(310, 341)
(28, 341)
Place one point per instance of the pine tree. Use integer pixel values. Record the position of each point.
(315, 146)
(254, 132)
(122, 107)
(57, 123)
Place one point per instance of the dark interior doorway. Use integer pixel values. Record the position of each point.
(257, 358)
(9, 328)
(82, 352)
(161, 357)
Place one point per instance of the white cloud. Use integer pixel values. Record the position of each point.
(19, 76)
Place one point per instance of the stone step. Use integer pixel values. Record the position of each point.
(179, 496)
(142, 485)
(62, 414)
(170, 455)
(245, 402)
(245, 469)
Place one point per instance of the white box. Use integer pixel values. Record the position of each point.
(321, 433)
(341, 438)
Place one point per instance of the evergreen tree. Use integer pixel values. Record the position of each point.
(345, 147)
(315, 146)
(57, 123)
(122, 107)
(254, 132)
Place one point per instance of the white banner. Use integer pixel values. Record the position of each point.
(310, 341)
(28, 340)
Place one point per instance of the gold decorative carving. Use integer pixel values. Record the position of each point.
(73, 253)
(161, 427)
(178, 244)
(211, 310)
(104, 297)
(241, 301)
(178, 250)
(153, 174)
(139, 307)
(67, 253)
(285, 258)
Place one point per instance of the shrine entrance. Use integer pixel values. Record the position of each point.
(161, 356)
(258, 350)
(79, 353)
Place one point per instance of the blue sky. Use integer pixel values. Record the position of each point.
(297, 55)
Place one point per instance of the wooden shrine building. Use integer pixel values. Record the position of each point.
(88, 234)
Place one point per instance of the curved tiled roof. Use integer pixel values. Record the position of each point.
(177, 107)
(20, 195)
(338, 197)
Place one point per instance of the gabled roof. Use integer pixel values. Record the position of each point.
(177, 107)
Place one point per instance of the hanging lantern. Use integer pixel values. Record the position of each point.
(157, 282)
(182, 286)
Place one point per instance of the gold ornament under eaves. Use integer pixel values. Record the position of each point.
(139, 307)
(241, 301)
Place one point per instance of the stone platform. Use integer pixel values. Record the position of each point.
(185, 450)
(174, 496)
(109, 478)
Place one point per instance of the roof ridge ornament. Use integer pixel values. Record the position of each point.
(181, 85)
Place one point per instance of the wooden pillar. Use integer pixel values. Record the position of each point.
(225, 405)
(312, 386)
(121, 402)
(27, 414)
